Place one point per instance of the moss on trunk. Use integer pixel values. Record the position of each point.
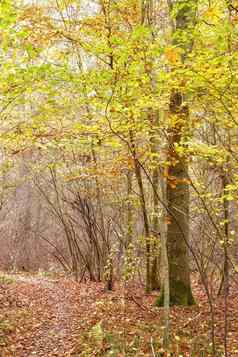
(179, 295)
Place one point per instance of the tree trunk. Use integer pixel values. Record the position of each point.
(178, 208)
(155, 278)
(129, 233)
(144, 212)
(182, 15)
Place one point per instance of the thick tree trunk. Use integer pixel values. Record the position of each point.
(182, 15)
(177, 193)
(178, 208)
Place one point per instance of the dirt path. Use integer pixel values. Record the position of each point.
(52, 315)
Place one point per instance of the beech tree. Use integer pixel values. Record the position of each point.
(182, 15)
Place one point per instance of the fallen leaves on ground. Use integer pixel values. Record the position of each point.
(43, 316)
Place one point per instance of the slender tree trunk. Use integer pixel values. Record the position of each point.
(224, 286)
(155, 275)
(144, 212)
(148, 19)
(106, 249)
(129, 210)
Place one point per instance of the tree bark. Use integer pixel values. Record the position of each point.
(178, 207)
(139, 179)
(155, 273)
(182, 15)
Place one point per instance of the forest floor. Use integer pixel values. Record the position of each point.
(49, 316)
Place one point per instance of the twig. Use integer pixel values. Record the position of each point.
(152, 346)
(189, 321)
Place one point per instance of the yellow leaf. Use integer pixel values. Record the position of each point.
(172, 55)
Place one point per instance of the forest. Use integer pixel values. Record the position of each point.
(118, 178)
